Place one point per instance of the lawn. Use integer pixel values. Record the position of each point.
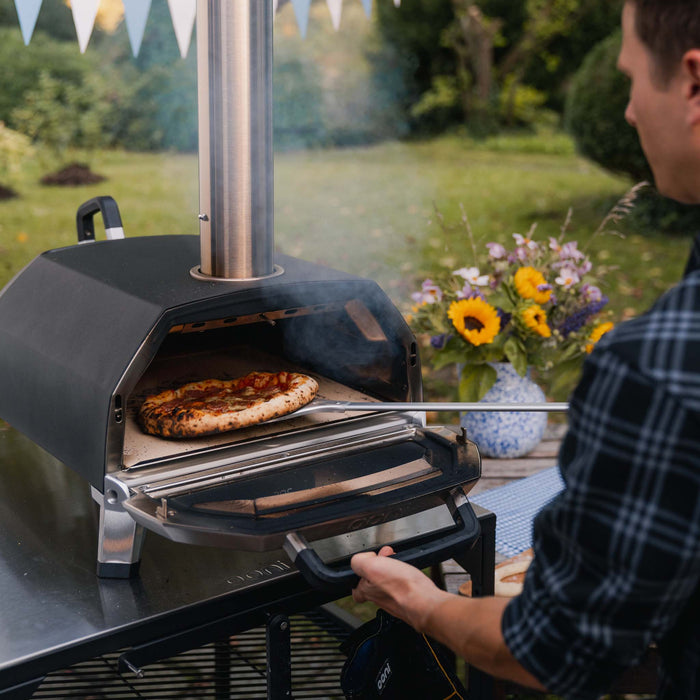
(371, 211)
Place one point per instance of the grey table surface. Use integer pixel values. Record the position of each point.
(54, 610)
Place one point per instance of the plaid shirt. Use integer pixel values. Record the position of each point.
(617, 553)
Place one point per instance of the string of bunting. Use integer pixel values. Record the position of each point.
(182, 13)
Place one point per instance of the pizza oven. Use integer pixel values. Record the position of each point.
(88, 331)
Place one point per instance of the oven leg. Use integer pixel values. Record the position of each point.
(480, 562)
(279, 658)
(120, 541)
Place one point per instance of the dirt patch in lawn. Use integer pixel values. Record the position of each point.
(7, 193)
(73, 175)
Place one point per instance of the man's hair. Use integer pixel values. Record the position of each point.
(668, 28)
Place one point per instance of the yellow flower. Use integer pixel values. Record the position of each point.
(527, 279)
(535, 319)
(475, 320)
(598, 332)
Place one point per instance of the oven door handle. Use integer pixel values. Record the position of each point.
(443, 546)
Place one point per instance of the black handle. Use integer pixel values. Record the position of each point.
(326, 578)
(85, 219)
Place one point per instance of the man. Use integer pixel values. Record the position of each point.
(617, 554)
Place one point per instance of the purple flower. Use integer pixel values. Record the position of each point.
(579, 318)
(469, 292)
(585, 267)
(430, 293)
(570, 251)
(438, 341)
(496, 251)
(591, 293)
(505, 318)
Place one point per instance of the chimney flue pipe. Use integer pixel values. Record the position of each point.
(234, 70)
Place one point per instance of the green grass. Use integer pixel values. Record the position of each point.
(370, 211)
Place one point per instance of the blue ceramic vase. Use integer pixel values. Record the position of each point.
(511, 433)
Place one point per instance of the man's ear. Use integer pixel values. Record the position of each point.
(691, 82)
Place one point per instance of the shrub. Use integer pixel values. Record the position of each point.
(60, 60)
(595, 117)
(595, 110)
(15, 148)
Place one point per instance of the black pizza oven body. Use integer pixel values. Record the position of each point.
(80, 325)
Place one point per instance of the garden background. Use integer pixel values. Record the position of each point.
(510, 111)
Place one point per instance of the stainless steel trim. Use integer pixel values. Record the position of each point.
(201, 479)
(197, 273)
(294, 545)
(234, 67)
(120, 537)
(114, 234)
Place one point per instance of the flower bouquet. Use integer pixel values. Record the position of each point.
(535, 304)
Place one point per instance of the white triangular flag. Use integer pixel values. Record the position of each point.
(136, 16)
(183, 13)
(336, 9)
(84, 13)
(301, 11)
(397, 3)
(368, 7)
(27, 11)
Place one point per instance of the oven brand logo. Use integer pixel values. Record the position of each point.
(383, 677)
(268, 571)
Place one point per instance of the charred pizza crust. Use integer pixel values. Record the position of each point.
(215, 406)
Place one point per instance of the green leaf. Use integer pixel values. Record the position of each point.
(564, 377)
(476, 380)
(516, 355)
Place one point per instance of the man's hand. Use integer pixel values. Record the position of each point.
(471, 627)
(397, 587)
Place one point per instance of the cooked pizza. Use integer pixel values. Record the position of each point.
(215, 406)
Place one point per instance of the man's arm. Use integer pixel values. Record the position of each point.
(470, 627)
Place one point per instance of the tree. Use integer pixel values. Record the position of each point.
(494, 58)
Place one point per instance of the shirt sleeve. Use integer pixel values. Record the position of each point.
(617, 552)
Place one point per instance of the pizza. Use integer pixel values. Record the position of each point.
(214, 405)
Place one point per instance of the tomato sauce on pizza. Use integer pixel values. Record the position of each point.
(215, 405)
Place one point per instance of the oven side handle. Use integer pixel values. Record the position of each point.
(443, 546)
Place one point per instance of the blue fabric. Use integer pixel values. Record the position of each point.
(516, 505)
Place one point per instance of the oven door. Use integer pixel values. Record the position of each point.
(336, 480)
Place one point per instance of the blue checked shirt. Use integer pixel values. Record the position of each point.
(617, 553)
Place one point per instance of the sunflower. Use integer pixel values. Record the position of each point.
(535, 319)
(527, 280)
(598, 332)
(475, 320)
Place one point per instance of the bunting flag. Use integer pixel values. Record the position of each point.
(301, 12)
(183, 13)
(336, 8)
(136, 16)
(84, 14)
(27, 11)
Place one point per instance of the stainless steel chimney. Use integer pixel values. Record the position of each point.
(234, 59)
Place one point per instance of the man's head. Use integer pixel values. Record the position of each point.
(661, 55)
